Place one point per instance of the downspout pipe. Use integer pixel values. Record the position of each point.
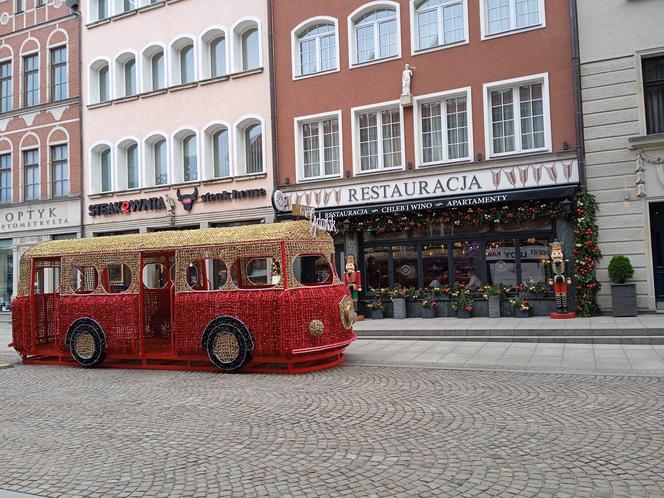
(578, 101)
(81, 176)
(273, 95)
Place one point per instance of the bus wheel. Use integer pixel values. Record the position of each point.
(228, 345)
(86, 345)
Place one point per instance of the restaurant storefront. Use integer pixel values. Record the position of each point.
(487, 226)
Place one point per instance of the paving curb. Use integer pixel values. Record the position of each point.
(602, 339)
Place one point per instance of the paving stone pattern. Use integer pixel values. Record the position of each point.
(349, 431)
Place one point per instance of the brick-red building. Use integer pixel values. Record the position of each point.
(39, 130)
(484, 117)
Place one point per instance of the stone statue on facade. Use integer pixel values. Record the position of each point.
(406, 77)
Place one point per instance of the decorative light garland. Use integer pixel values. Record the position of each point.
(586, 254)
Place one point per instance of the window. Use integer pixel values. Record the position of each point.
(31, 176)
(182, 62)
(186, 59)
(125, 75)
(19, 6)
(155, 276)
(6, 87)
(129, 70)
(153, 70)
(221, 153)
(653, 89)
(40, 3)
(508, 15)
(6, 273)
(157, 67)
(31, 80)
(189, 158)
(207, 274)
(116, 278)
(5, 178)
(128, 5)
(99, 82)
(312, 269)
(440, 22)
(518, 117)
(161, 165)
(253, 148)
(47, 279)
(59, 74)
(218, 57)
(379, 137)
(131, 154)
(250, 58)
(128, 168)
(317, 49)
(99, 10)
(259, 272)
(444, 129)
(103, 159)
(84, 279)
(60, 170)
(319, 148)
(375, 35)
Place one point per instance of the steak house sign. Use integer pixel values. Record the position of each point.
(452, 185)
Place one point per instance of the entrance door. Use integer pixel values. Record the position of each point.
(157, 301)
(657, 235)
(45, 291)
(340, 260)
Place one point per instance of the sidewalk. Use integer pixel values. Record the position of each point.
(644, 329)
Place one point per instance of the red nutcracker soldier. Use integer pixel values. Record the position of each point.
(560, 280)
(353, 279)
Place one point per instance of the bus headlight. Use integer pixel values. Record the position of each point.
(347, 312)
(316, 328)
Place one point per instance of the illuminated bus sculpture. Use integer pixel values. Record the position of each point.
(261, 298)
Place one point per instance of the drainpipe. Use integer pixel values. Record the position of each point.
(273, 95)
(81, 178)
(578, 102)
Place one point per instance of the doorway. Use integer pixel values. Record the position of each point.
(657, 236)
(158, 293)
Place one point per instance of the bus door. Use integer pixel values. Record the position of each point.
(157, 299)
(44, 296)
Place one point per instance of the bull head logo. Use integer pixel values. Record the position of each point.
(188, 200)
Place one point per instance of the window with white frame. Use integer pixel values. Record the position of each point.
(250, 49)
(99, 10)
(319, 154)
(378, 133)
(375, 35)
(99, 82)
(126, 75)
(316, 48)
(31, 80)
(214, 54)
(183, 68)
(31, 175)
(6, 86)
(185, 154)
(5, 178)
(508, 15)
(250, 147)
(443, 128)
(518, 117)
(60, 170)
(156, 160)
(220, 153)
(153, 69)
(128, 174)
(102, 178)
(59, 74)
(440, 22)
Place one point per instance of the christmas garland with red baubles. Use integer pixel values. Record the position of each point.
(584, 206)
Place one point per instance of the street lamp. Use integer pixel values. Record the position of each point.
(567, 208)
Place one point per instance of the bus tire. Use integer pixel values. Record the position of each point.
(228, 343)
(86, 343)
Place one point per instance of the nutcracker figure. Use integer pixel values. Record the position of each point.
(353, 279)
(560, 280)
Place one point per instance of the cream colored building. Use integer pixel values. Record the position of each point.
(176, 112)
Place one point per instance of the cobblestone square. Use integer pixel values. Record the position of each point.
(349, 431)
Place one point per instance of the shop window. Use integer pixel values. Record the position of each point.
(534, 255)
(501, 262)
(155, 276)
(468, 263)
(376, 267)
(261, 272)
(116, 278)
(526, 226)
(435, 265)
(47, 280)
(400, 235)
(6, 273)
(207, 274)
(312, 269)
(404, 259)
(84, 279)
(466, 229)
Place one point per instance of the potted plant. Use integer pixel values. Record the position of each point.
(623, 295)
(428, 304)
(398, 294)
(493, 293)
(463, 304)
(521, 307)
(376, 309)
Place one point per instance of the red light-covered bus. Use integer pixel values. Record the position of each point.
(262, 298)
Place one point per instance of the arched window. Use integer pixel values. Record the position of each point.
(218, 57)
(221, 153)
(440, 22)
(128, 165)
(129, 73)
(100, 89)
(317, 48)
(99, 10)
(247, 46)
(156, 160)
(182, 61)
(185, 153)
(375, 34)
(102, 169)
(132, 166)
(250, 147)
(250, 49)
(154, 70)
(104, 84)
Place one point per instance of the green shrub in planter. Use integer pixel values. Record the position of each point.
(623, 295)
(620, 269)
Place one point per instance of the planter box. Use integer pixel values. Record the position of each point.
(494, 307)
(428, 312)
(480, 307)
(623, 299)
(376, 314)
(463, 314)
(519, 313)
(444, 308)
(399, 308)
(413, 309)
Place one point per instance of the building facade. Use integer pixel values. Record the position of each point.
(427, 166)
(622, 75)
(40, 185)
(176, 107)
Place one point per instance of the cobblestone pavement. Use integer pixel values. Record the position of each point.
(353, 430)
